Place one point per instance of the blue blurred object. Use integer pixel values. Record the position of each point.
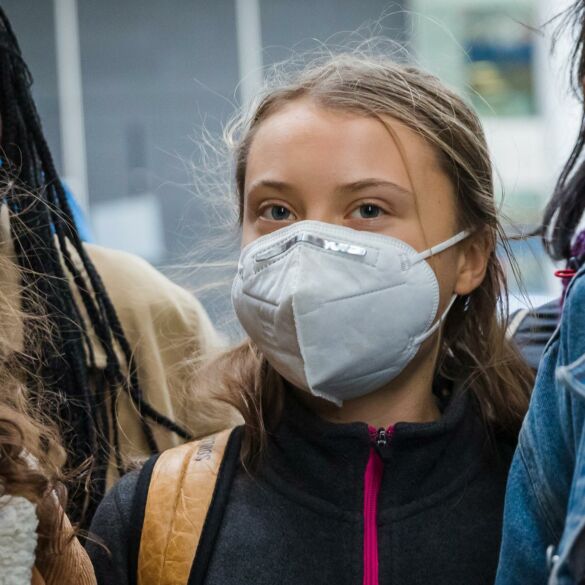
(521, 53)
(83, 227)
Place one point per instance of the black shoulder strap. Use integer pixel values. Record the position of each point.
(217, 507)
(137, 517)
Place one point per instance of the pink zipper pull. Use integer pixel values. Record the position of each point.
(372, 482)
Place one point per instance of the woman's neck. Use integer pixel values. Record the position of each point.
(407, 398)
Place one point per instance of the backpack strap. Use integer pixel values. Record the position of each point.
(181, 489)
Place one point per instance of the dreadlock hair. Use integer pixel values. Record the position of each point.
(565, 209)
(44, 236)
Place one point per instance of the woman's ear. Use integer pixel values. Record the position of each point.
(474, 255)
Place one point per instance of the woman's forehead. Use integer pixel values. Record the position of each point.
(305, 137)
(305, 140)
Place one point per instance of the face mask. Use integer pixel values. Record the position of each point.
(337, 312)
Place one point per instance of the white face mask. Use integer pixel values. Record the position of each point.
(337, 312)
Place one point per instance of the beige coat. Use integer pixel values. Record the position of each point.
(168, 331)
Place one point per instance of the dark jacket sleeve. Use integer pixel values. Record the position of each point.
(109, 542)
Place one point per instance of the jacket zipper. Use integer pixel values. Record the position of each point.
(372, 481)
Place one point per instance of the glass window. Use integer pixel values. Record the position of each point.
(483, 48)
(500, 50)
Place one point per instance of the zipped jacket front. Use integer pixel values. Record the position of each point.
(346, 504)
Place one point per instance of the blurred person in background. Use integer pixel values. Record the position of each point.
(124, 339)
(37, 543)
(544, 523)
(380, 395)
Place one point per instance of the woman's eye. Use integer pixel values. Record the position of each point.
(276, 213)
(367, 211)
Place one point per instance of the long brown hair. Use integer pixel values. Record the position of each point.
(31, 452)
(32, 456)
(474, 347)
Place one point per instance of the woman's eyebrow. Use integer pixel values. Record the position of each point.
(346, 188)
(368, 183)
(272, 184)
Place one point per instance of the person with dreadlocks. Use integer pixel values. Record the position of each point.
(544, 528)
(123, 337)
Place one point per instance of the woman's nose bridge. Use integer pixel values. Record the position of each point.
(325, 218)
(325, 208)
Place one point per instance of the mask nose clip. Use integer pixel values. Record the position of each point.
(325, 243)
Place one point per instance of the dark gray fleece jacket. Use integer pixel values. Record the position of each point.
(300, 520)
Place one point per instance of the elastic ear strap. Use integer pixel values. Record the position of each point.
(444, 245)
(438, 322)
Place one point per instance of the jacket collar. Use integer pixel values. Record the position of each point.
(323, 463)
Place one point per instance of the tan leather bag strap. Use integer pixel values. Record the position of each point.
(179, 496)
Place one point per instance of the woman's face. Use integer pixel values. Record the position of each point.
(310, 163)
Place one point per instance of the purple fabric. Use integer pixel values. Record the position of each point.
(577, 250)
(578, 247)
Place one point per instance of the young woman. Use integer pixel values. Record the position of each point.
(380, 395)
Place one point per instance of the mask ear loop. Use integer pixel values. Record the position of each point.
(427, 254)
(435, 326)
(444, 245)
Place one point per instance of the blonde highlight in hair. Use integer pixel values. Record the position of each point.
(474, 348)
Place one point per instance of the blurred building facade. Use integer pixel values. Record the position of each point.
(124, 88)
(499, 53)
